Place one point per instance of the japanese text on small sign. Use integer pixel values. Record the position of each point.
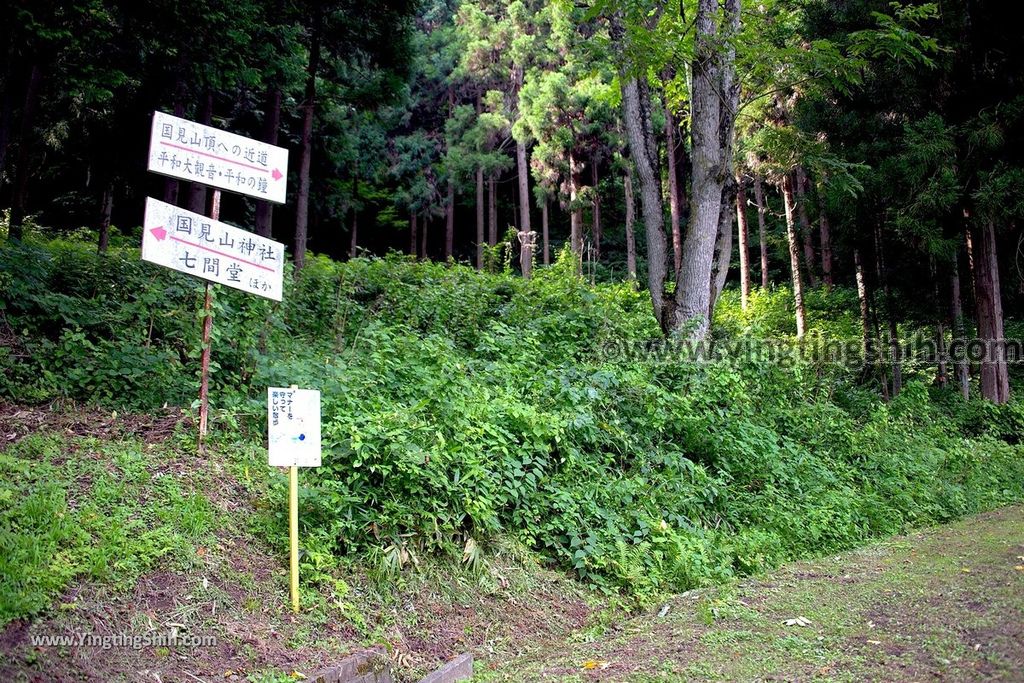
(293, 427)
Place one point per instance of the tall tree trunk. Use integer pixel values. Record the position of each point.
(449, 221)
(895, 350)
(805, 224)
(596, 228)
(723, 244)
(492, 209)
(883, 369)
(744, 239)
(171, 186)
(714, 105)
(106, 208)
(271, 124)
(196, 201)
(6, 96)
(353, 246)
(693, 289)
(413, 229)
(956, 309)
(673, 190)
(354, 237)
(480, 218)
(636, 105)
(544, 231)
(306, 146)
(424, 234)
(867, 344)
(762, 209)
(627, 187)
(894, 343)
(969, 244)
(995, 380)
(643, 149)
(576, 211)
(942, 371)
(825, 232)
(19, 195)
(526, 234)
(794, 255)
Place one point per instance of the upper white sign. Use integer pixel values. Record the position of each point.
(215, 251)
(293, 427)
(191, 151)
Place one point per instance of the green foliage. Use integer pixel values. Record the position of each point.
(461, 407)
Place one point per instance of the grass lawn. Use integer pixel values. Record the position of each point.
(945, 603)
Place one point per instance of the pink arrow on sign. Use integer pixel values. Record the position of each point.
(159, 233)
(276, 175)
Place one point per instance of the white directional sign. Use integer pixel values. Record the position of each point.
(215, 251)
(191, 151)
(293, 427)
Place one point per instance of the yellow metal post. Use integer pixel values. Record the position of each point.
(293, 528)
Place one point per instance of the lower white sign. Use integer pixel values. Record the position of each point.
(293, 427)
(192, 243)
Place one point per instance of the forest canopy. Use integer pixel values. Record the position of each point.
(875, 145)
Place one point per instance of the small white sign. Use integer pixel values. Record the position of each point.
(191, 151)
(293, 427)
(191, 243)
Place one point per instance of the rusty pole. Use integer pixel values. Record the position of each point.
(204, 382)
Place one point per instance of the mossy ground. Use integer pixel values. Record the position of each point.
(945, 603)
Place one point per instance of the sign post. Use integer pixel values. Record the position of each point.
(293, 533)
(217, 252)
(220, 253)
(209, 249)
(204, 380)
(293, 441)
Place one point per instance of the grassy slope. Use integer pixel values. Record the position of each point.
(171, 541)
(112, 524)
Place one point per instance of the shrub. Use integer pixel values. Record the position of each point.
(461, 406)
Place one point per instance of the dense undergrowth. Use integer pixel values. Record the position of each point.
(461, 407)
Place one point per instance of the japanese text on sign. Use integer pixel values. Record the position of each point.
(191, 151)
(293, 427)
(188, 242)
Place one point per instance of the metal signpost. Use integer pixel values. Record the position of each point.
(293, 441)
